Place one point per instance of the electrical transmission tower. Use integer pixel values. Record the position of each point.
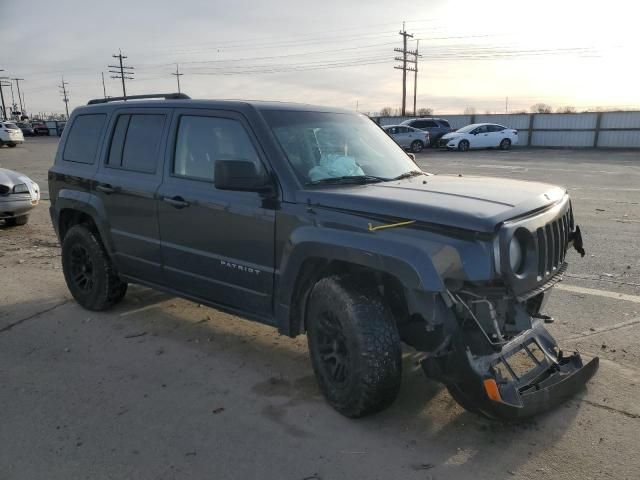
(404, 66)
(20, 99)
(121, 71)
(178, 75)
(65, 97)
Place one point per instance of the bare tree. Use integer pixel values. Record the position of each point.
(469, 111)
(425, 112)
(566, 109)
(541, 108)
(385, 112)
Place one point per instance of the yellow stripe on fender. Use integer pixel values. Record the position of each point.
(390, 225)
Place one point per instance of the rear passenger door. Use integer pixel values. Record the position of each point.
(126, 185)
(217, 245)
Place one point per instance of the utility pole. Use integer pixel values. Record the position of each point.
(104, 89)
(404, 67)
(2, 84)
(121, 71)
(415, 78)
(13, 100)
(4, 108)
(65, 98)
(17, 80)
(178, 75)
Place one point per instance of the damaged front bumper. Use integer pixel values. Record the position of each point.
(527, 376)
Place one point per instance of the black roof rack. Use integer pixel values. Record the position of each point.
(166, 96)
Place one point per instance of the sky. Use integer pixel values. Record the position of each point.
(485, 55)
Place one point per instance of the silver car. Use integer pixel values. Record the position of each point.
(18, 195)
(408, 137)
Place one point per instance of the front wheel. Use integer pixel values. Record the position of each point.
(354, 346)
(15, 221)
(417, 146)
(11, 145)
(463, 146)
(505, 144)
(88, 271)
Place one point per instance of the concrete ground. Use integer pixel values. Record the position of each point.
(161, 388)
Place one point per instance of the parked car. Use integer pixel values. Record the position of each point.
(436, 127)
(480, 135)
(314, 221)
(41, 128)
(10, 134)
(408, 137)
(18, 195)
(27, 129)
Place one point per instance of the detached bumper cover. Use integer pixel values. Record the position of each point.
(526, 377)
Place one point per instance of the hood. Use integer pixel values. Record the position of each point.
(471, 203)
(9, 177)
(451, 135)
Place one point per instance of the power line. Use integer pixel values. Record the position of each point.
(65, 97)
(123, 72)
(178, 75)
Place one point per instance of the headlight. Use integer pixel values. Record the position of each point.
(21, 188)
(515, 255)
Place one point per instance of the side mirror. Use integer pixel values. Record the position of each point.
(412, 156)
(240, 175)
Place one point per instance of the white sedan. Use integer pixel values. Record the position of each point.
(480, 135)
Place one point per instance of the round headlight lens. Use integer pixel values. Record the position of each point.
(515, 255)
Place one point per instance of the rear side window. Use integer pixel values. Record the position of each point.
(203, 140)
(84, 137)
(136, 142)
(444, 123)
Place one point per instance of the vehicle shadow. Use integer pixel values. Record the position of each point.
(447, 438)
(439, 435)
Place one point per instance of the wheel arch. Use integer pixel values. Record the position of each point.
(311, 256)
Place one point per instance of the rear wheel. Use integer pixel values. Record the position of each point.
(505, 144)
(88, 271)
(21, 220)
(11, 145)
(417, 146)
(354, 346)
(463, 146)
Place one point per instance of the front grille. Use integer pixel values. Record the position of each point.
(553, 240)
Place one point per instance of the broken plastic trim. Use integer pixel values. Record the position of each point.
(554, 378)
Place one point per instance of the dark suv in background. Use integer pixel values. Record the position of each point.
(436, 127)
(313, 220)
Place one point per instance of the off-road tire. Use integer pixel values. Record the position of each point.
(505, 144)
(104, 287)
(417, 146)
(14, 221)
(463, 145)
(368, 334)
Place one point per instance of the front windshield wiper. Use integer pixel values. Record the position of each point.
(412, 173)
(347, 179)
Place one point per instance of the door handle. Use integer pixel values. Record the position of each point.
(177, 202)
(106, 188)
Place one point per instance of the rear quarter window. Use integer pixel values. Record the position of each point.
(84, 138)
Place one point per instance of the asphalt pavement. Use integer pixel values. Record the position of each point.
(162, 388)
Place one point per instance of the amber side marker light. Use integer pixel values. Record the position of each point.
(491, 387)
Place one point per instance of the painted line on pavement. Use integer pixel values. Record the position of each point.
(599, 293)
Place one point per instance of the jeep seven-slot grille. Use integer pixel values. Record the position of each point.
(553, 240)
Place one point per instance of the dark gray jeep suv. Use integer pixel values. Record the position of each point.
(314, 221)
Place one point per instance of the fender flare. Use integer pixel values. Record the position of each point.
(378, 253)
(84, 202)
